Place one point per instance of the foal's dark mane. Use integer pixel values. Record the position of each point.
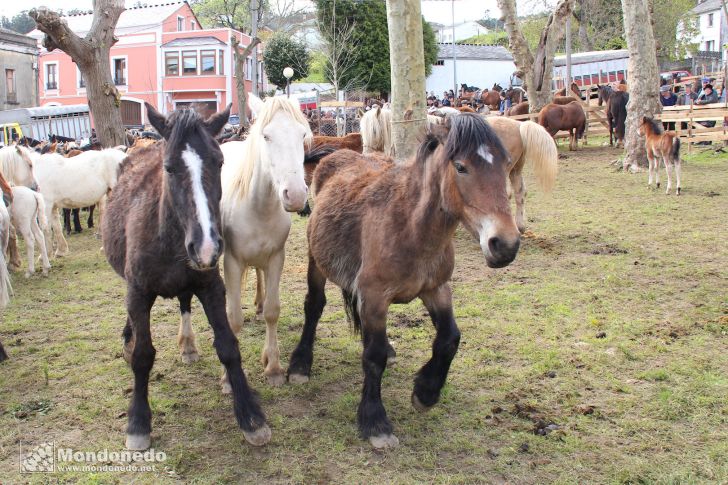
(468, 133)
(655, 125)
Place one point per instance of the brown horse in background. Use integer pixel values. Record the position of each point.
(384, 234)
(569, 117)
(661, 145)
(521, 108)
(574, 89)
(562, 100)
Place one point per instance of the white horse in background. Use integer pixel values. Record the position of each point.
(73, 183)
(376, 131)
(16, 166)
(262, 182)
(28, 215)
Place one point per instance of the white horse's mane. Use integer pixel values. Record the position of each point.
(237, 184)
(11, 161)
(376, 130)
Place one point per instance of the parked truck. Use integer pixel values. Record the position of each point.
(72, 121)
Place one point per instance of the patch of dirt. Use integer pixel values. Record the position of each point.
(405, 320)
(711, 193)
(608, 248)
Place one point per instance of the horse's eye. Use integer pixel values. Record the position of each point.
(169, 169)
(460, 168)
(265, 137)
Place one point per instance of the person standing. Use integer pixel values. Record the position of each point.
(668, 98)
(688, 97)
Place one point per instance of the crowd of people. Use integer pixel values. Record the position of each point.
(706, 94)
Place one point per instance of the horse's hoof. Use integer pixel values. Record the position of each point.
(259, 316)
(277, 379)
(190, 357)
(28, 274)
(384, 441)
(678, 191)
(658, 185)
(297, 378)
(46, 271)
(417, 404)
(259, 437)
(226, 388)
(138, 441)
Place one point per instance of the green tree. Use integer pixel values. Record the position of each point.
(283, 51)
(372, 40)
(21, 23)
(491, 38)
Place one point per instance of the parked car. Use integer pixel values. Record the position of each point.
(670, 75)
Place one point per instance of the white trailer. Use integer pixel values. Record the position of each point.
(72, 121)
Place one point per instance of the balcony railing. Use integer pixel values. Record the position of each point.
(51, 85)
(708, 54)
(120, 81)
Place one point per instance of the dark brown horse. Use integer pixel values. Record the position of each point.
(569, 117)
(519, 109)
(562, 100)
(384, 234)
(616, 111)
(162, 234)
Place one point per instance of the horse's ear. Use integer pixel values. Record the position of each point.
(157, 120)
(216, 122)
(644, 119)
(255, 103)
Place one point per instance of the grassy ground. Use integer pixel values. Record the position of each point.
(611, 326)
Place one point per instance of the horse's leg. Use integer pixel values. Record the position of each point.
(259, 293)
(186, 336)
(299, 367)
(248, 413)
(102, 210)
(15, 263)
(67, 221)
(431, 377)
(668, 168)
(650, 164)
(76, 220)
(519, 189)
(3, 354)
(657, 169)
(271, 310)
(371, 415)
(40, 239)
(234, 272)
(139, 427)
(61, 244)
(23, 226)
(677, 175)
(90, 221)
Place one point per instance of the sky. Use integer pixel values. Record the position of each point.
(433, 10)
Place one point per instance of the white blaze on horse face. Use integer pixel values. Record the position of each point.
(284, 154)
(484, 231)
(193, 162)
(485, 154)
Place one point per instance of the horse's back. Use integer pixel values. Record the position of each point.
(347, 164)
(133, 200)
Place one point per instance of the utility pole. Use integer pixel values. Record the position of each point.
(568, 56)
(454, 54)
(254, 6)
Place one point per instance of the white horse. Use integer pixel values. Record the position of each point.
(73, 183)
(16, 166)
(26, 211)
(376, 131)
(262, 182)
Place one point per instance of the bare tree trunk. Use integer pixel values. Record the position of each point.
(537, 68)
(584, 42)
(407, 60)
(91, 55)
(643, 78)
(240, 57)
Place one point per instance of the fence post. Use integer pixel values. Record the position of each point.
(690, 128)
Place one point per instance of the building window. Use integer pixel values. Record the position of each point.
(189, 63)
(10, 92)
(81, 80)
(180, 24)
(207, 62)
(193, 24)
(440, 62)
(171, 63)
(119, 71)
(709, 45)
(710, 20)
(221, 64)
(248, 69)
(51, 76)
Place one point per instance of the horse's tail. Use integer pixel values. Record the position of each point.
(6, 289)
(539, 147)
(41, 211)
(675, 149)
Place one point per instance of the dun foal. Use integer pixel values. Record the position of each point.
(162, 234)
(663, 146)
(383, 233)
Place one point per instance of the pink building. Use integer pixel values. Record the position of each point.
(163, 57)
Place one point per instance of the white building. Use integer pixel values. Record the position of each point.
(712, 27)
(476, 65)
(463, 30)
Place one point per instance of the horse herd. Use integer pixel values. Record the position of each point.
(382, 232)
